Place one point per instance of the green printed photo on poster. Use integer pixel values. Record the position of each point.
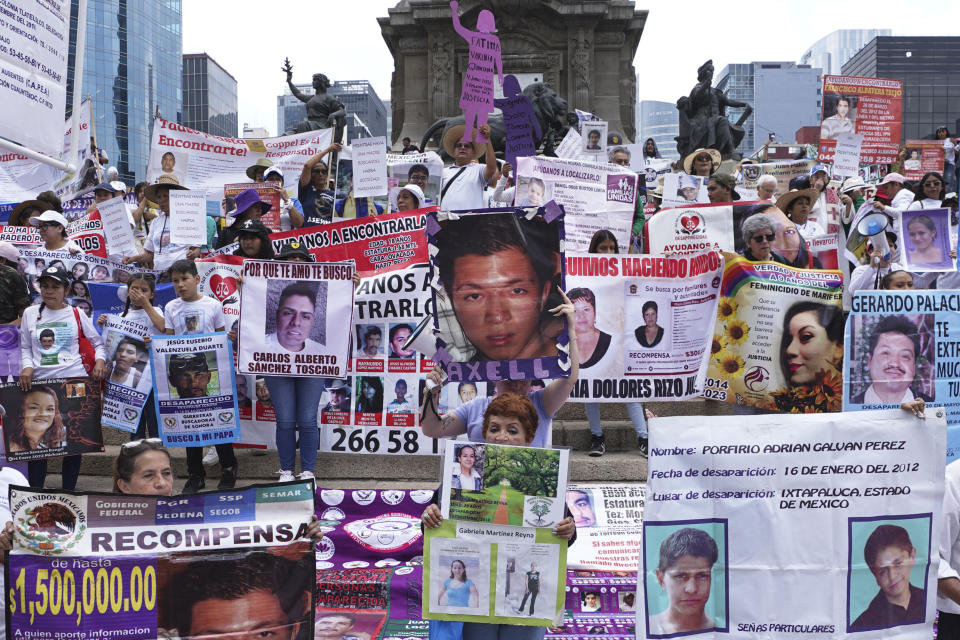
(498, 484)
(685, 572)
(888, 564)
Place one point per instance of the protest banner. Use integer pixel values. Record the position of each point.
(821, 512)
(502, 484)
(926, 240)
(593, 136)
(194, 389)
(846, 154)
(654, 169)
(188, 218)
(205, 162)
(95, 565)
(57, 417)
(608, 519)
(474, 572)
(220, 279)
(35, 35)
(871, 107)
(519, 121)
(422, 169)
(682, 189)
(594, 196)
(267, 192)
(569, 147)
(22, 178)
(903, 345)
(494, 280)
(370, 164)
(483, 62)
(643, 324)
(923, 156)
(603, 602)
(765, 311)
(295, 318)
(368, 562)
(9, 353)
(128, 383)
(111, 297)
(716, 227)
(84, 270)
(116, 227)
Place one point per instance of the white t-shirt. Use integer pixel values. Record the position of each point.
(140, 317)
(809, 229)
(199, 316)
(8, 476)
(58, 329)
(467, 192)
(158, 243)
(310, 347)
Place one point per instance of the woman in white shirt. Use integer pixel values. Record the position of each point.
(53, 231)
(930, 192)
(59, 359)
(465, 477)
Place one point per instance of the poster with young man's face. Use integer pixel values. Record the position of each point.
(495, 281)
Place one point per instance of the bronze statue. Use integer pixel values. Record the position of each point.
(703, 118)
(323, 111)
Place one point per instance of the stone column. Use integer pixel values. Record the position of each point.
(441, 76)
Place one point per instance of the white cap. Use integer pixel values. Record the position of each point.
(49, 216)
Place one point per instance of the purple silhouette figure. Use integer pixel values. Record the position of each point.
(476, 97)
(519, 120)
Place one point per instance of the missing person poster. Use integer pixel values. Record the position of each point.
(475, 572)
(871, 107)
(747, 517)
(608, 519)
(194, 389)
(267, 192)
(295, 318)
(83, 269)
(96, 565)
(57, 417)
(206, 162)
(220, 279)
(783, 170)
(129, 381)
(761, 354)
(601, 603)
(923, 156)
(643, 324)
(495, 278)
(903, 346)
(926, 240)
(682, 189)
(594, 196)
(424, 170)
(502, 484)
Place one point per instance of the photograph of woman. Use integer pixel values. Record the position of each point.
(41, 425)
(650, 333)
(79, 289)
(458, 590)
(369, 395)
(925, 246)
(80, 271)
(465, 476)
(128, 362)
(594, 343)
(811, 358)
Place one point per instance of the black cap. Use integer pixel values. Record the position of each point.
(187, 361)
(295, 248)
(55, 273)
(254, 227)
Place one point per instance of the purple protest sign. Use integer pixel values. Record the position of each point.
(9, 351)
(519, 120)
(476, 96)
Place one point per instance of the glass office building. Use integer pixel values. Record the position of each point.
(927, 66)
(832, 51)
(209, 96)
(132, 69)
(660, 121)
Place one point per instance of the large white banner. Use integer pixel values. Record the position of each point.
(34, 35)
(824, 528)
(643, 324)
(594, 196)
(206, 162)
(608, 518)
(22, 179)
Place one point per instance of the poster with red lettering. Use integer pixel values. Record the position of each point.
(922, 156)
(869, 106)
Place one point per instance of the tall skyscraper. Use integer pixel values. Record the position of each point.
(660, 121)
(832, 51)
(209, 96)
(784, 95)
(132, 68)
(927, 68)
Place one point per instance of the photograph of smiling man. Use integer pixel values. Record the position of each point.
(495, 280)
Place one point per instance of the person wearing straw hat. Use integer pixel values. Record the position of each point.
(796, 204)
(157, 248)
(339, 394)
(465, 181)
(21, 214)
(258, 169)
(702, 162)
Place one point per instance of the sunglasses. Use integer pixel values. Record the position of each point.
(760, 238)
(134, 447)
(703, 159)
(932, 184)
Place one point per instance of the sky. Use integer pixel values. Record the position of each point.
(678, 38)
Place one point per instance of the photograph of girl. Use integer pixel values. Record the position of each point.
(40, 425)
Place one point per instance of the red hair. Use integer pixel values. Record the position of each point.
(511, 405)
